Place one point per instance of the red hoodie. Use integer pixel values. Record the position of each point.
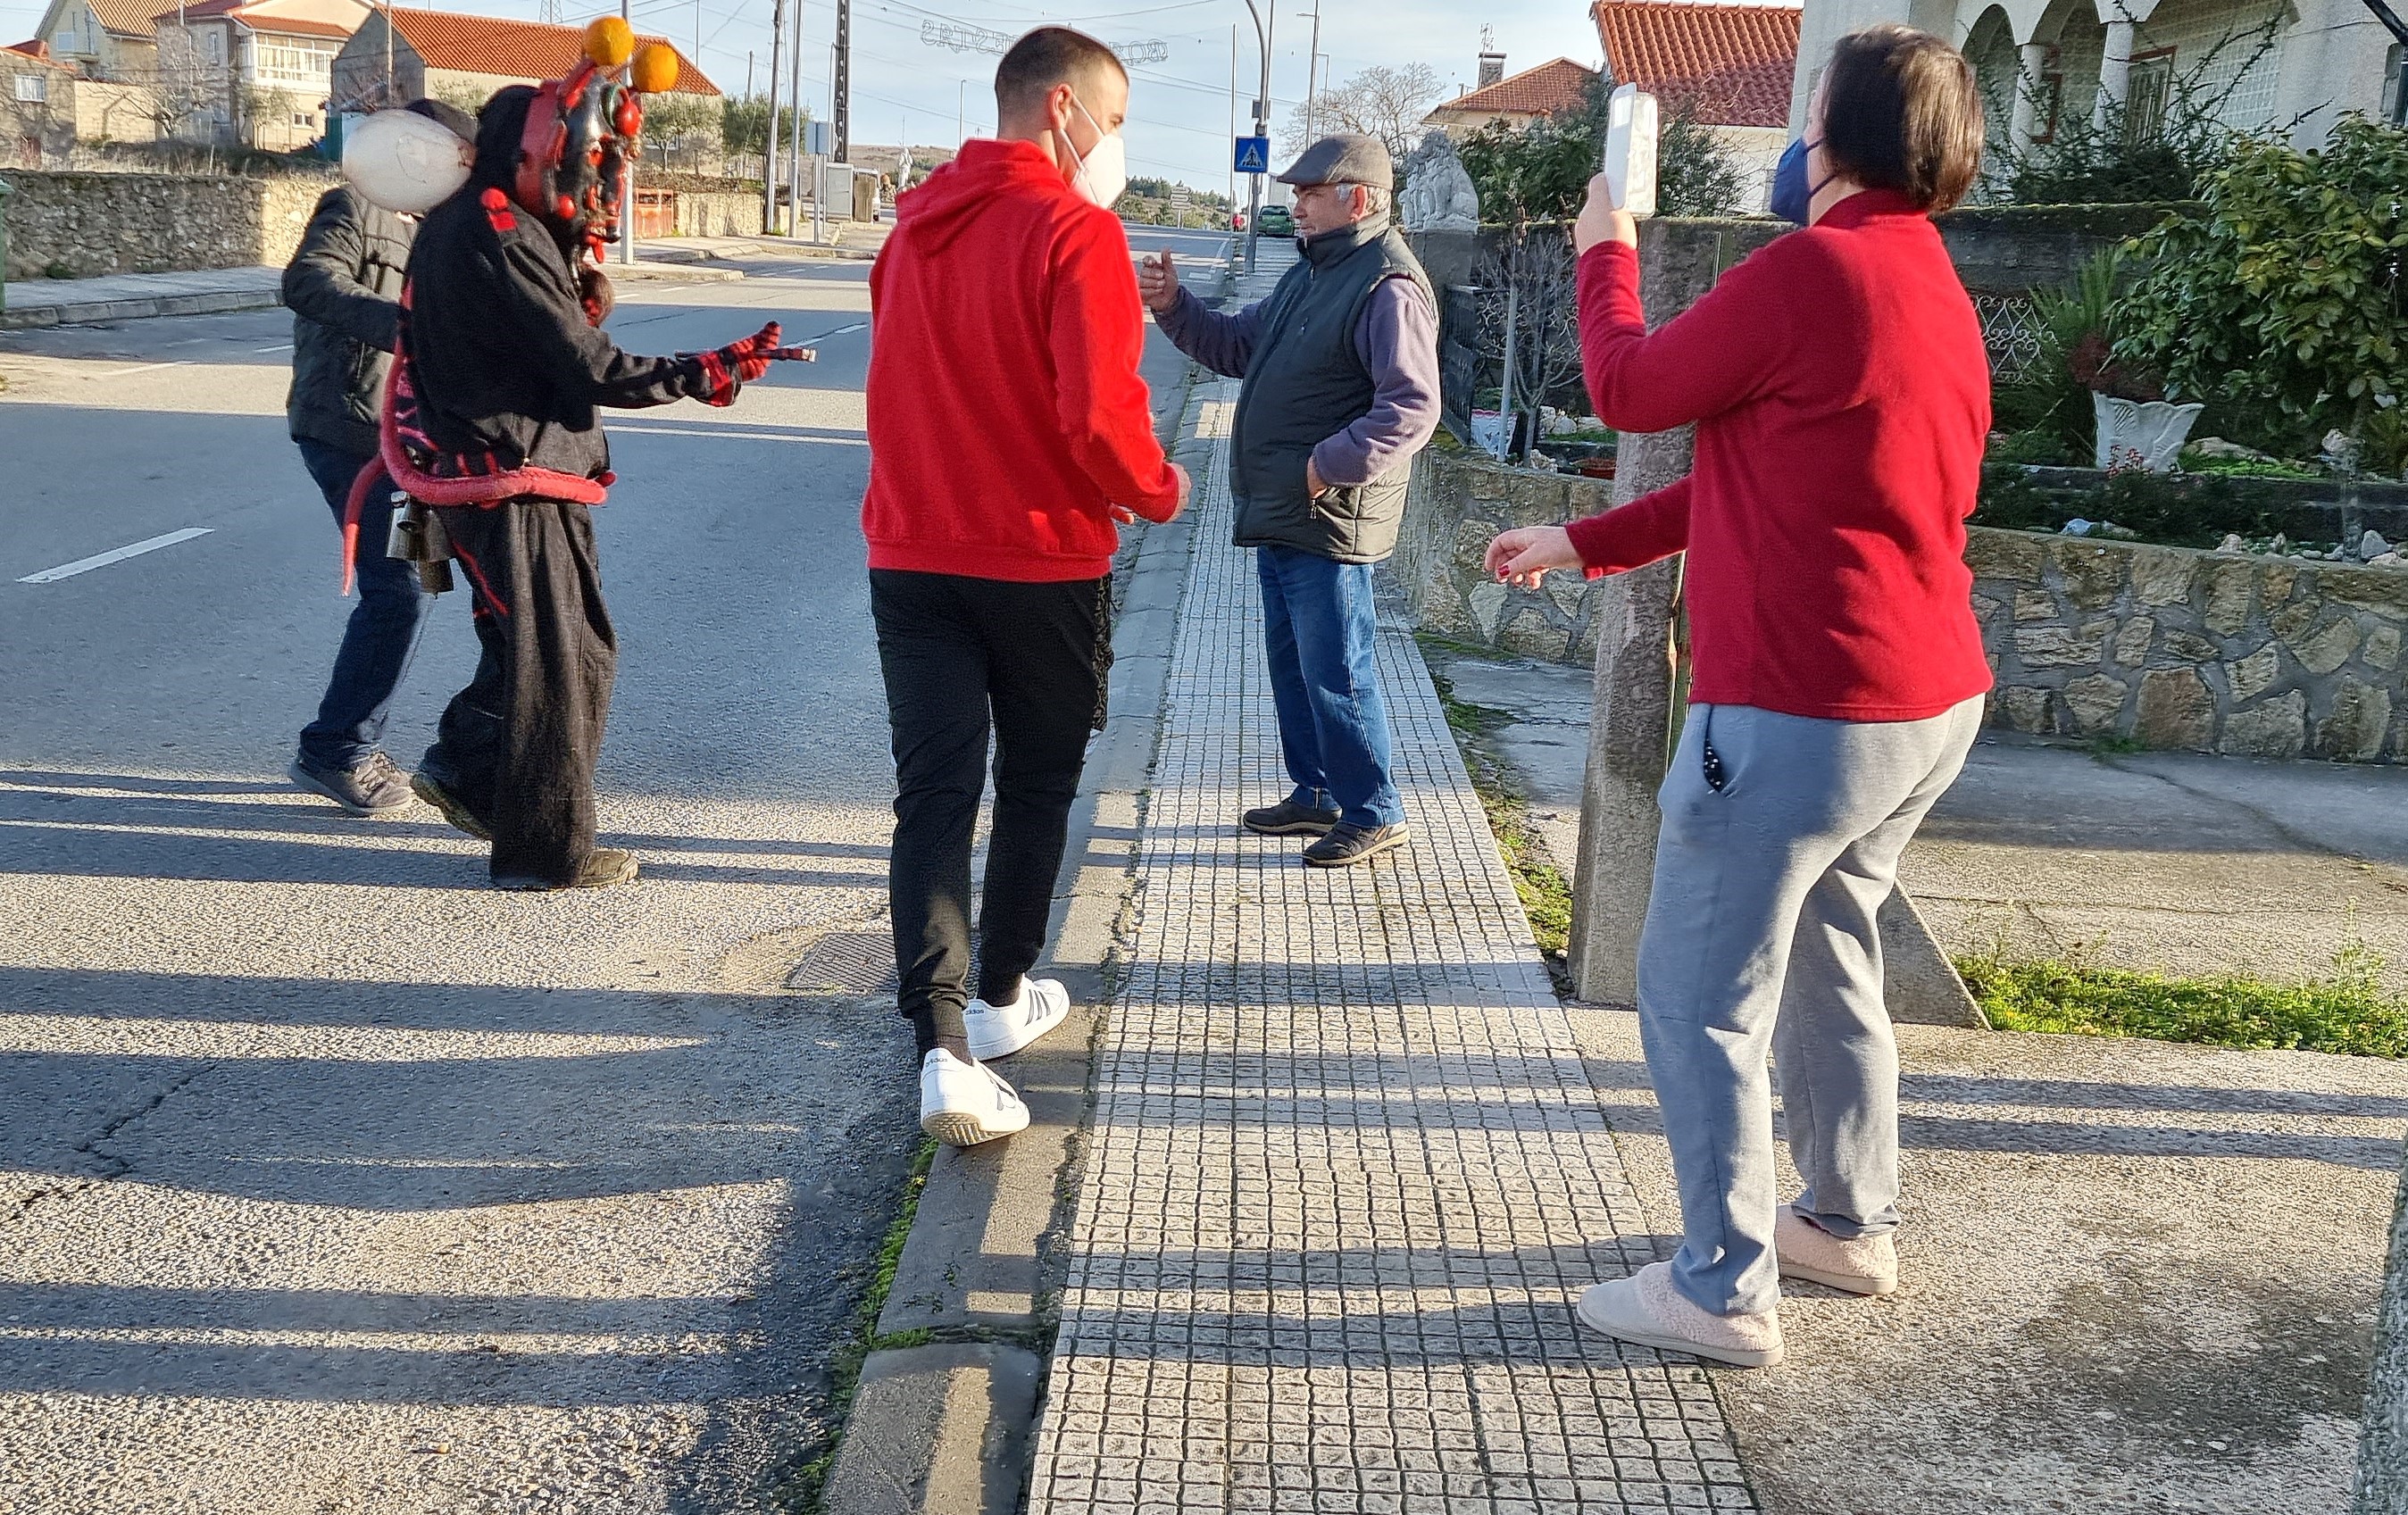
(1005, 413)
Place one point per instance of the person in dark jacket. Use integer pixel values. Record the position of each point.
(502, 370)
(1342, 389)
(344, 288)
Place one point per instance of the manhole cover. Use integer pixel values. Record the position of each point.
(847, 962)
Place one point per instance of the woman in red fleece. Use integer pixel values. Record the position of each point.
(1842, 396)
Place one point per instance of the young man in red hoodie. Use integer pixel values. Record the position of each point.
(1008, 430)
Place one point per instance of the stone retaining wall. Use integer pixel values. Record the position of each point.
(2251, 656)
(154, 223)
(2168, 647)
(708, 213)
(1458, 502)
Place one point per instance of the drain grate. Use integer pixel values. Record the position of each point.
(847, 962)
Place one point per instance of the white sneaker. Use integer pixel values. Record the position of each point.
(1001, 1030)
(1646, 1308)
(963, 1103)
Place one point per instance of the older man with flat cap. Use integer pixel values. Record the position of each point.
(1342, 389)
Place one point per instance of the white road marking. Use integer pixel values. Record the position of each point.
(281, 347)
(733, 433)
(82, 565)
(149, 368)
(841, 331)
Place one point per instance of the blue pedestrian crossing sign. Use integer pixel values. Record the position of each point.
(1253, 154)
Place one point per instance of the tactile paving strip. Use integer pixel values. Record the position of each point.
(1347, 1176)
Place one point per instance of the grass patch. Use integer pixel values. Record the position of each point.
(2346, 1010)
(804, 1491)
(1547, 895)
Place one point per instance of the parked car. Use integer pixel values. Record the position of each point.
(1277, 221)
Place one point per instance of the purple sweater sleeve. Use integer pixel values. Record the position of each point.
(1225, 344)
(1396, 338)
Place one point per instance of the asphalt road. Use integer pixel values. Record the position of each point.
(330, 1178)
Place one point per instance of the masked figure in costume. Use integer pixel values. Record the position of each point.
(491, 421)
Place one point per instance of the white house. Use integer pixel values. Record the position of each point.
(2289, 65)
(257, 73)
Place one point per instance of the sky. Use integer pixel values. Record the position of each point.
(1179, 111)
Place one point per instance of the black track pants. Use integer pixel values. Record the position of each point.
(965, 658)
(518, 746)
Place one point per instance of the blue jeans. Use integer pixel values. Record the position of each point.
(1321, 633)
(384, 625)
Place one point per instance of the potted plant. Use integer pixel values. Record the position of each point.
(2135, 427)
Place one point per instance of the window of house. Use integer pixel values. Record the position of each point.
(2147, 91)
(2048, 93)
(2395, 85)
(33, 88)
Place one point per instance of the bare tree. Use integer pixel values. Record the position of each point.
(1380, 101)
(1529, 316)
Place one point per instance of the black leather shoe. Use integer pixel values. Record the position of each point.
(607, 866)
(1289, 818)
(1347, 844)
(428, 787)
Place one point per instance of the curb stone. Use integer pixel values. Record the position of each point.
(25, 317)
(945, 1428)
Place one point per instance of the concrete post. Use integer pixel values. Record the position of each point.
(1639, 689)
(1642, 692)
(2115, 72)
(2383, 1455)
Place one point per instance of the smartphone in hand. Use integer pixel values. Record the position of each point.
(1631, 123)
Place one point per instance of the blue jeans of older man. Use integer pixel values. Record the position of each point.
(384, 626)
(1321, 633)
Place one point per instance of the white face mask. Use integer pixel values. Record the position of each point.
(1103, 173)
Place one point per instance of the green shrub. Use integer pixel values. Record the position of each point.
(2287, 296)
(2174, 510)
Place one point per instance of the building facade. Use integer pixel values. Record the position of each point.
(255, 74)
(398, 56)
(38, 108)
(2285, 67)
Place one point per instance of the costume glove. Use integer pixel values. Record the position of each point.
(729, 369)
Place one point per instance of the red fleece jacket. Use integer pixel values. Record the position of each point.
(1005, 413)
(1841, 396)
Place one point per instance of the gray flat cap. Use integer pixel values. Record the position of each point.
(1343, 158)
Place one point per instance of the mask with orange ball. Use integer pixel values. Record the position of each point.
(583, 131)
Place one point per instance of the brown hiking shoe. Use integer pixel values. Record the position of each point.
(607, 866)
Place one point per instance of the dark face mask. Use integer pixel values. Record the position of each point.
(1792, 197)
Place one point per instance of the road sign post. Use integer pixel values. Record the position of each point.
(1252, 157)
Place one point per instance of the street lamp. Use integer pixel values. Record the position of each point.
(1262, 129)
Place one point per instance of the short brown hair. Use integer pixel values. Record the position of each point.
(1901, 111)
(1045, 57)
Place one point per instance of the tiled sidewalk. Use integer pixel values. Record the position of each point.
(1346, 1176)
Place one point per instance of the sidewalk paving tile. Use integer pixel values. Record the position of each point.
(1347, 1175)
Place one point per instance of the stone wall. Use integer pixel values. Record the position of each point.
(2170, 647)
(1459, 501)
(711, 214)
(152, 223)
(2251, 656)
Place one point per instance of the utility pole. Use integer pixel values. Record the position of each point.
(770, 138)
(961, 109)
(1233, 115)
(747, 73)
(840, 108)
(1262, 128)
(1311, 65)
(795, 133)
(626, 179)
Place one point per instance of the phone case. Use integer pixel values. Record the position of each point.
(1630, 129)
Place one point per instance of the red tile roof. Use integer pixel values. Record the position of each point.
(260, 19)
(130, 18)
(1732, 64)
(39, 50)
(1533, 92)
(514, 48)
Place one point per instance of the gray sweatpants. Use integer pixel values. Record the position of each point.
(1780, 838)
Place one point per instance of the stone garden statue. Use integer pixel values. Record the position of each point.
(1437, 194)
